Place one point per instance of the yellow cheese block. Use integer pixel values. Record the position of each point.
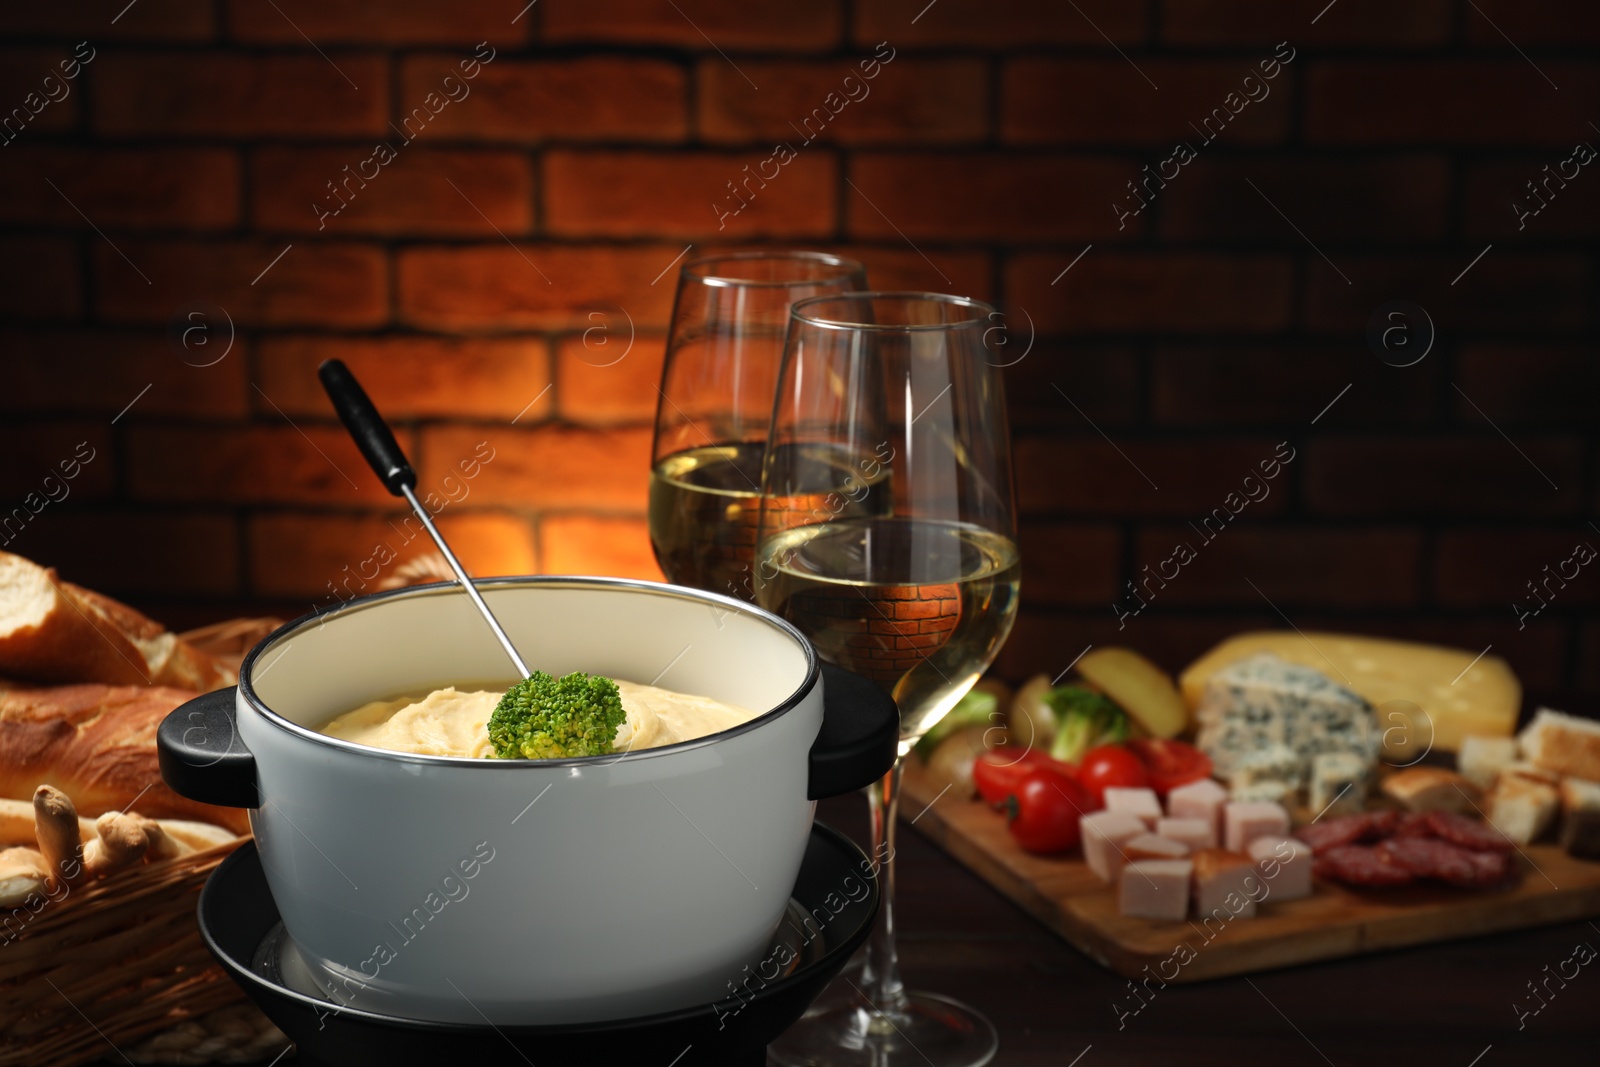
(1397, 677)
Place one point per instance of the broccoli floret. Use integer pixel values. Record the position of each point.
(1084, 720)
(555, 718)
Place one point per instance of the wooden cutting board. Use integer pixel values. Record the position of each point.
(1062, 893)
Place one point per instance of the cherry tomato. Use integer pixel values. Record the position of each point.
(998, 772)
(1110, 765)
(1171, 763)
(1043, 813)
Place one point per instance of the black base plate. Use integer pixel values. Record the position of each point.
(237, 912)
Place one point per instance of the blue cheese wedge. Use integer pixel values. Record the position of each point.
(1263, 720)
(1338, 783)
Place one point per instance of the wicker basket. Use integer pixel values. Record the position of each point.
(97, 971)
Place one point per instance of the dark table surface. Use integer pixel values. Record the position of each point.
(1453, 1004)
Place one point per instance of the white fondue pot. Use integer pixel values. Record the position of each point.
(531, 891)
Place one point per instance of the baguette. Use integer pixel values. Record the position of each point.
(60, 840)
(22, 875)
(97, 744)
(54, 631)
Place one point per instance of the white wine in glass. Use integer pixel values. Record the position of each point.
(914, 586)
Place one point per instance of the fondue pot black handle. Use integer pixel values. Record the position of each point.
(371, 433)
(201, 755)
(859, 735)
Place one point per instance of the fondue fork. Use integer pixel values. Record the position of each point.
(376, 441)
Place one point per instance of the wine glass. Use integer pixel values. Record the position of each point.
(917, 593)
(726, 339)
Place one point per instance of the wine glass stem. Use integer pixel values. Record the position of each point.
(881, 973)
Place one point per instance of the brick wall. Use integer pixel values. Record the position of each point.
(484, 279)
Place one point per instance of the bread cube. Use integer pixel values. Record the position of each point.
(1155, 889)
(1580, 818)
(1522, 808)
(1481, 759)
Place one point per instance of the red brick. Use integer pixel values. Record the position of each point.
(1492, 568)
(581, 544)
(1068, 564)
(36, 451)
(236, 95)
(589, 98)
(163, 20)
(1455, 475)
(39, 278)
(973, 23)
(179, 553)
(485, 287)
(1523, 384)
(178, 188)
(1023, 198)
(1294, 566)
(23, 71)
(1563, 23)
(1241, 385)
(1485, 102)
(1088, 475)
(1048, 643)
(620, 194)
(1042, 102)
(1505, 290)
(375, 22)
(81, 370)
(702, 25)
(422, 192)
(1141, 292)
(939, 270)
(1265, 22)
(915, 100)
(1103, 380)
(267, 463)
(1499, 204)
(1334, 202)
(315, 283)
(328, 558)
(604, 380)
(412, 377)
(550, 467)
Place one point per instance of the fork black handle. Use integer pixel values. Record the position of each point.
(371, 433)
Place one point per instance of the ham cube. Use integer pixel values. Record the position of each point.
(1199, 800)
(1140, 802)
(1284, 864)
(1226, 885)
(1155, 889)
(1152, 847)
(1104, 833)
(1196, 833)
(1245, 820)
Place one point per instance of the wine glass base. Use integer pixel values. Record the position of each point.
(931, 1029)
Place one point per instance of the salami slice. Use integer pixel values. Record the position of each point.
(1413, 824)
(1468, 833)
(1360, 865)
(1428, 857)
(1347, 829)
(1490, 869)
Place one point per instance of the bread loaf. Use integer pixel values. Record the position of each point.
(54, 631)
(97, 744)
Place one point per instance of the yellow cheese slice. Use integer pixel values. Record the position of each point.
(1457, 697)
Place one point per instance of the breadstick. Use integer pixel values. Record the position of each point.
(22, 875)
(16, 822)
(162, 846)
(197, 835)
(56, 825)
(121, 843)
